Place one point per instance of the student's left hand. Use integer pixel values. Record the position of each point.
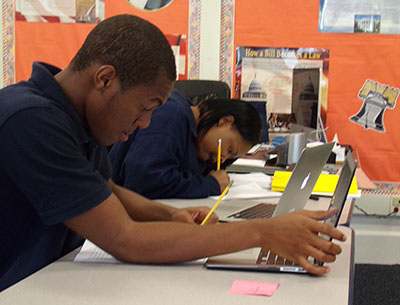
(194, 215)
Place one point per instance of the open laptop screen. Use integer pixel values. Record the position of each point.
(342, 188)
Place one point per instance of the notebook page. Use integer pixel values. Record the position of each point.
(90, 253)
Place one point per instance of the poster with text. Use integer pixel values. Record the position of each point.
(292, 82)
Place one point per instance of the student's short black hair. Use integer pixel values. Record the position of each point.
(247, 119)
(137, 50)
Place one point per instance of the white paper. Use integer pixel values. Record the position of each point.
(249, 186)
(90, 253)
(65, 11)
(250, 191)
(261, 179)
(249, 162)
(47, 8)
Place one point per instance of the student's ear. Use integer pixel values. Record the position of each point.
(226, 120)
(105, 77)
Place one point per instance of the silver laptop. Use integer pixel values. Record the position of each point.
(257, 259)
(342, 188)
(297, 191)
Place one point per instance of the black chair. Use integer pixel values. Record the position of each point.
(197, 90)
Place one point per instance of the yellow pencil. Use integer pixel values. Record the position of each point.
(219, 155)
(217, 203)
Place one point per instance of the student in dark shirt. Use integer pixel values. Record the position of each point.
(176, 156)
(55, 186)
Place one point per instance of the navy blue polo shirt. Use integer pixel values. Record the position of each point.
(160, 161)
(51, 170)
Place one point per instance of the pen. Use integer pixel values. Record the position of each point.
(219, 155)
(217, 203)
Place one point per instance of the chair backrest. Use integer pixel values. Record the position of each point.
(198, 90)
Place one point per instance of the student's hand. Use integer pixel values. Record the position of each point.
(194, 215)
(222, 178)
(295, 237)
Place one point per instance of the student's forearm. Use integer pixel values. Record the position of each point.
(140, 208)
(110, 227)
(293, 235)
(168, 242)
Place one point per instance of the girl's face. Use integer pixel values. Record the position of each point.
(232, 144)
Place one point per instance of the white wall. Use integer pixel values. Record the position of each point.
(210, 25)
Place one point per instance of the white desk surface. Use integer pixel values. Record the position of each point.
(67, 282)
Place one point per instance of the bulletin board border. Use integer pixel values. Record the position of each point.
(194, 39)
(227, 41)
(8, 54)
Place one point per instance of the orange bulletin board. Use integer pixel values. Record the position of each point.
(354, 59)
(57, 43)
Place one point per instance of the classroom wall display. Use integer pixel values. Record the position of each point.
(57, 43)
(178, 44)
(226, 61)
(359, 16)
(66, 11)
(376, 99)
(354, 58)
(211, 32)
(293, 83)
(194, 42)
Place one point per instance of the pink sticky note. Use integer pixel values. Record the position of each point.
(254, 288)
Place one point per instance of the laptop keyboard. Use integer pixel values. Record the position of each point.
(267, 257)
(261, 210)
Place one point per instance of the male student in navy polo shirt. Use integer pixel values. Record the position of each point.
(55, 186)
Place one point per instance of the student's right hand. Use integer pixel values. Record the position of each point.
(221, 177)
(194, 215)
(295, 237)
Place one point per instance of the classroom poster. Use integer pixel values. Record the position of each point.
(64, 11)
(292, 82)
(359, 16)
(377, 98)
(178, 45)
